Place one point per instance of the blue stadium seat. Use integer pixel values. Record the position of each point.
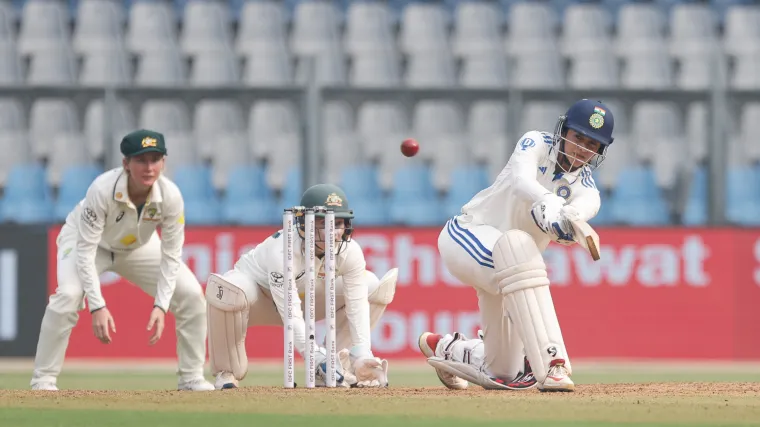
(248, 200)
(370, 211)
(293, 189)
(360, 181)
(720, 7)
(202, 206)
(638, 200)
(413, 200)
(743, 195)
(466, 181)
(695, 212)
(603, 217)
(74, 184)
(27, 198)
(410, 182)
(247, 181)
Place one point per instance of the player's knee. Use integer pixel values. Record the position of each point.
(518, 263)
(223, 293)
(66, 300)
(385, 288)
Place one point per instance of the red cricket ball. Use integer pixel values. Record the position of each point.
(410, 147)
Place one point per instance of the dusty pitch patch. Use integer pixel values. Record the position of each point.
(584, 390)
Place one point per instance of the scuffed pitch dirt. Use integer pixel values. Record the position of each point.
(583, 390)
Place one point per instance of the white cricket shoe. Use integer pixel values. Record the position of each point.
(45, 386)
(225, 380)
(428, 343)
(558, 378)
(195, 384)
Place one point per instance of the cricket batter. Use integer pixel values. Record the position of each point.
(495, 246)
(253, 294)
(114, 229)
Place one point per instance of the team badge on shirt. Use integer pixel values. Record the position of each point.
(564, 192)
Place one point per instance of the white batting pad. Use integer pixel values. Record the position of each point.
(521, 276)
(467, 372)
(227, 326)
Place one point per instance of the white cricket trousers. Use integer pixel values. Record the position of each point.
(140, 267)
(466, 250)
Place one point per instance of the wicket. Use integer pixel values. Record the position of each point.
(310, 294)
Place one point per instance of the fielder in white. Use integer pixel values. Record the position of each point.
(253, 294)
(495, 246)
(114, 229)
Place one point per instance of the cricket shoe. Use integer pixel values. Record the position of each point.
(45, 386)
(558, 378)
(195, 384)
(225, 380)
(428, 343)
(524, 379)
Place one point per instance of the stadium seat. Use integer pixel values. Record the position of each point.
(215, 68)
(476, 29)
(329, 67)
(484, 71)
(750, 129)
(205, 27)
(15, 148)
(368, 28)
(742, 28)
(268, 68)
(68, 149)
(109, 67)
(99, 26)
(215, 118)
(74, 184)
(692, 30)
(525, 38)
(465, 183)
(743, 195)
(262, 28)
(315, 28)
(27, 199)
(10, 63)
(7, 23)
(695, 212)
(361, 181)
(163, 115)
(369, 211)
(161, 67)
(52, 65)
(603, 217)
(43, 24)
(230, 150)
(201, 203)
(593, 71)
(586, 30)
(47, 118)
(542, 69)
(375, 69)
(151, 26)
(423, 28)
(248, 200)
(637, 200)
(122, 120)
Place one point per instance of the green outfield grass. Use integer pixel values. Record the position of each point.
(618, 395)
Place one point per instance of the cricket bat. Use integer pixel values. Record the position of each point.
(587, 237)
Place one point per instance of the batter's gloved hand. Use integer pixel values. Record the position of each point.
(320, 379)
(546, 212)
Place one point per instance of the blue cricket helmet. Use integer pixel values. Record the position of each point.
(590, 118)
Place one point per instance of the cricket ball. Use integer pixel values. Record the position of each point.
(410, 147)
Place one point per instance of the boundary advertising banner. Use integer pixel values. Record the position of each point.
(23, 280)
(656, 294)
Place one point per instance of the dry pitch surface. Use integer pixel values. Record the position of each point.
(625, 395)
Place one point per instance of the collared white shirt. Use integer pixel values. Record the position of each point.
(106, 218)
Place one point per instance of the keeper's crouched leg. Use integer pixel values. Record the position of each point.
(228, 307)
(520, 274)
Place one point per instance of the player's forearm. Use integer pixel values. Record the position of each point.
(169, 268)
(529, 189)
(586, 205)
(88, 274)
(357, 312)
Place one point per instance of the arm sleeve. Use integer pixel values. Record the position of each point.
(277, 288)
(172, 240)
(357, 303)
(524, 166)
(91, 224)
(585, 198)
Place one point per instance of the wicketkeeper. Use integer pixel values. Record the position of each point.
(253, 293)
